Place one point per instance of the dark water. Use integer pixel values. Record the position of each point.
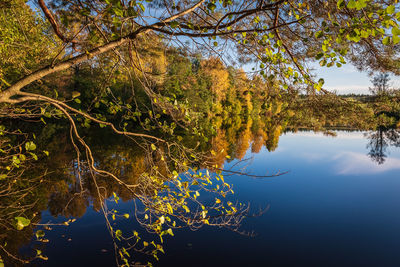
(337, 206)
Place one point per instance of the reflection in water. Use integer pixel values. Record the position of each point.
(169, 184)
(170, 188)
(351, 163)
(379, 141)
(166, 184)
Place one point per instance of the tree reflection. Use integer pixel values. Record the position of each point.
(166, 183)
(379, 141)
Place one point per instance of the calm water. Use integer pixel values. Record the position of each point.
(337, 206)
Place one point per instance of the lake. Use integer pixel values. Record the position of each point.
(338, 205)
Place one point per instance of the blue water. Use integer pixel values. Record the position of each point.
(335, 207)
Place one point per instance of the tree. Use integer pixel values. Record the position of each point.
(215, 70)
(380, 84)
(280, 34)
(25, 43)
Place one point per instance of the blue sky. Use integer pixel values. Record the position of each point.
(348, 79)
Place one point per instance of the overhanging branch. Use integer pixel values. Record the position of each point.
(6, 95)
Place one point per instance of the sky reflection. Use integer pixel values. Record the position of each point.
(357, 163)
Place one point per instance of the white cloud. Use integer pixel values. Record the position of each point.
(348, 89)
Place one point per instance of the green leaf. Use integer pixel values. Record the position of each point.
(118, 12)
(5, 82)
(390, 9)
(75, 94)
(30, 146)
(132, 12)
(39, 234)
(395, 31)
(319, 34)
(396, 39)
(364, 34)
(22, 157)
(118, 234)
(386, 41)
(340, 4)
(211, 6)
(22, 222)
(319, 56)
(361, 4)
(160, 248)
(169, 231)
(174, 24)
(352, 4)
(34, 156)
(141, 7)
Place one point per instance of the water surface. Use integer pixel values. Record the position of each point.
(337, 206)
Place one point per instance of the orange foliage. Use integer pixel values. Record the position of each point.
(215, 69)
(242, 86)
(220, 145)
(244, 140)
(258, 141)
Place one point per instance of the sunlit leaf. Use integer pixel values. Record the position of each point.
(39, 234)
(29, 146)
(75, 94)
(22, 222)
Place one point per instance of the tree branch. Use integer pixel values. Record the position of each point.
(189, 34)
(37, 97)
(54, 23)
(6, 95)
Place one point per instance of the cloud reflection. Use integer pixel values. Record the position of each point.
(358, 163)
